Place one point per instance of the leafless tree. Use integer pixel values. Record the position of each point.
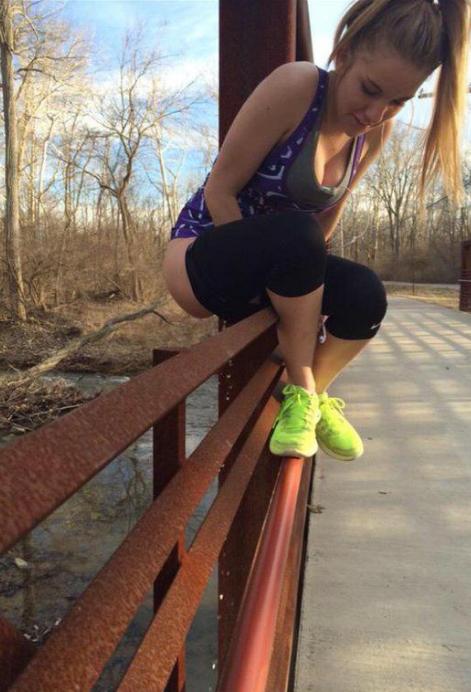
(12, 211)
(130, 119)
(395, 183)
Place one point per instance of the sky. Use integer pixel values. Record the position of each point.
(186, 33)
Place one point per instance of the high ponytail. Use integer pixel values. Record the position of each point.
(442, 151)
(429, 35)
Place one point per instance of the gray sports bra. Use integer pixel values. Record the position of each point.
(301, 181)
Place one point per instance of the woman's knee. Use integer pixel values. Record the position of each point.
(368, 300)
(377, 301)
(360, 306)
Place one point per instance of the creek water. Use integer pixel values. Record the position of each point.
(43, 575)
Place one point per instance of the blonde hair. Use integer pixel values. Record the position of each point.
(429, 35)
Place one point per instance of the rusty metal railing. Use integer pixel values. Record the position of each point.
(250, 655)
(465, 279)
(42, 469)
(255, 527)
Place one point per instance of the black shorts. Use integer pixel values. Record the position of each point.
(227, 268)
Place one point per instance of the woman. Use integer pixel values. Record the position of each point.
(254, 233)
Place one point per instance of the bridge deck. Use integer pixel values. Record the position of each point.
(386, 602)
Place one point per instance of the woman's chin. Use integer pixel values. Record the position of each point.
(352, 128)
(359, 125)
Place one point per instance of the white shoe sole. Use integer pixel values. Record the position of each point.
(293, 453)
(334, 455)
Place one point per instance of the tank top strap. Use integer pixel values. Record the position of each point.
(315, 107)
(291, 146)
(356, 157)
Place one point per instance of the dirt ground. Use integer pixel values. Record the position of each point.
(127, 350)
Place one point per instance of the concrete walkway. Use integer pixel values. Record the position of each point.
(387, 594)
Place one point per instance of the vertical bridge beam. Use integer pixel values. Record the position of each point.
(254, 39)
(168, 457)
(465, 280)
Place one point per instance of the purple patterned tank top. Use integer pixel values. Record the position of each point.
(285, 179)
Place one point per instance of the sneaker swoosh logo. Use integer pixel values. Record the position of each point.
(375, 325)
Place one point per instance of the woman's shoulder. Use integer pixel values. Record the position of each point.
(290, 86)
(301, 73)
(302, 78)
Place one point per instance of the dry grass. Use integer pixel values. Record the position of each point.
(127, 350)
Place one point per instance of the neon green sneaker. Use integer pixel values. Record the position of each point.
(335, 435)
(294, 429)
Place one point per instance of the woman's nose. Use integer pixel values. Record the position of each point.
(374, 113)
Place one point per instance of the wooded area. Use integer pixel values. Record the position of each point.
(91, 187)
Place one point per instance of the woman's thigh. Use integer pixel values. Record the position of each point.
(227, 267)
(177, 280)
(230, 266)
(227, 270)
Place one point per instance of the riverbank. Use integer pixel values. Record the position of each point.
(128, 350)
(26, 406)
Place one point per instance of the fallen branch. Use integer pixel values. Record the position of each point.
(75, 344)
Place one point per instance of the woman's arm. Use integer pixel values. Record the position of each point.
(222, 207)
(263, 120)
(328, 220)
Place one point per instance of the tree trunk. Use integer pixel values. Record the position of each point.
(397, 239)
(12, 215)
(31, 219)
(167, 196)
(129, 239)
(42, 169)
(65, 232)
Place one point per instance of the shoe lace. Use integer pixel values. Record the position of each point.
(296, 409)
(333, 405)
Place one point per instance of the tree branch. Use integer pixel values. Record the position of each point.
(75, 344)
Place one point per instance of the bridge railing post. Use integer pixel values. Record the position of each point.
(169, 455)
(274, 32)
(465, 279)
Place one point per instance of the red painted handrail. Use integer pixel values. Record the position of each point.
(251, 652)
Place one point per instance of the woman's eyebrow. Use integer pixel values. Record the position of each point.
(375, 86)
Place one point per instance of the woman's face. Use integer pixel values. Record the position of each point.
(373, 89)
